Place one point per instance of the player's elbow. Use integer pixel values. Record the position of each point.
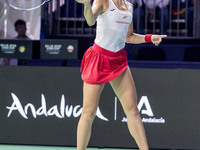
(90, 23)
(128, 40)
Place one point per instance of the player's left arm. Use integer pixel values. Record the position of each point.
(134, 38)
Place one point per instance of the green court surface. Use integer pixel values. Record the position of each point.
(25, 147)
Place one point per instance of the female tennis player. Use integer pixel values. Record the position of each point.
(106, 61)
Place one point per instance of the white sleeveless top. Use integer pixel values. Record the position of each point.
(112, 27)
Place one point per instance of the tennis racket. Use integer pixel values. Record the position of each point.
(26, 5)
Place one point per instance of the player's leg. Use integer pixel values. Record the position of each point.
(124, 88)
(91, 95)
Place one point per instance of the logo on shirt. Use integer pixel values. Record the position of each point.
(124, 17)
(112, 9)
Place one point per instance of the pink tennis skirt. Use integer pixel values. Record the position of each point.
(101, 66)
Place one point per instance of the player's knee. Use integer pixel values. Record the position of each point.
(132, 115)
(132, 111)
(88, 115)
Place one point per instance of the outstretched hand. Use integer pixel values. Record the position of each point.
(83, 1)
(157, 39)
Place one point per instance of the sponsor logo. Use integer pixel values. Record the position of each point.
(122, 22)
(61, 111)
(8, 48)
(53, 49)
(22, 49)
(70, 48)
(144, 108)
(112, 9)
